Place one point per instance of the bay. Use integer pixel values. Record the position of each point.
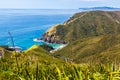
(27, 24)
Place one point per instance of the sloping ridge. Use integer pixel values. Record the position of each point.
(93, 23)
(42, 55)
(95, 37)
(100, 49)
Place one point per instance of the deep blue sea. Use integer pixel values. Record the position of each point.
(27, 24)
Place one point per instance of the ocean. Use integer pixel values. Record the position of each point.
(27, 24)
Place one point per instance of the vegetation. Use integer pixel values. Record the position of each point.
(88, 24)
(35, 64)
(93, 36)
(102, 49)
(23, 65)
(93, 52)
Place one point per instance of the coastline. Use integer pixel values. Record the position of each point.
(59, 48)
(28, 27)
(49, 38)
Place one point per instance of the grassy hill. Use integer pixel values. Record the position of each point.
(94, 37)
(35, 54)
(37, 64)
(23, 65)
(88, 24)
(100, 49)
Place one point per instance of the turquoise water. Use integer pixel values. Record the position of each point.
(25, 25)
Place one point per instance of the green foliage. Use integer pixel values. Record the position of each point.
(35, 64)
(66, 71)
(28, 64)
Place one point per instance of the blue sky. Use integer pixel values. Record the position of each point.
(57, 4)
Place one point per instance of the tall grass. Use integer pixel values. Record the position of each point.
(29, 70)
(34, 67)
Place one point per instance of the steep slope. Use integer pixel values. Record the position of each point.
(27, 65)
(101, 49)
(33, 64)
(87, 24)
(34, 54)
(94, 37)
(37, 53)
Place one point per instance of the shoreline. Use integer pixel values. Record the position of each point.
(56, 46)
(50, 38)
(59, 48)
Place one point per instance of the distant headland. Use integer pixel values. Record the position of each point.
(100, 8)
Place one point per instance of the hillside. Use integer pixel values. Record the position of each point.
(94, 37)
(93, 50)
(38, 53)
(36, 64)
(35, 53)
(88, 24)
(23, 65)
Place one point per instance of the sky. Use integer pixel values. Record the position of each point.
(57, 4)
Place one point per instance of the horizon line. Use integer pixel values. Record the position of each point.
(54, 8)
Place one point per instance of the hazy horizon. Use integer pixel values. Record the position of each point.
(60, 4)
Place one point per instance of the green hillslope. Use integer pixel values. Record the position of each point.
(94, 37)
(36, 64)
(101, 49)
(88, 24)
(35, 54)
(40, 54)
(25, 65)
